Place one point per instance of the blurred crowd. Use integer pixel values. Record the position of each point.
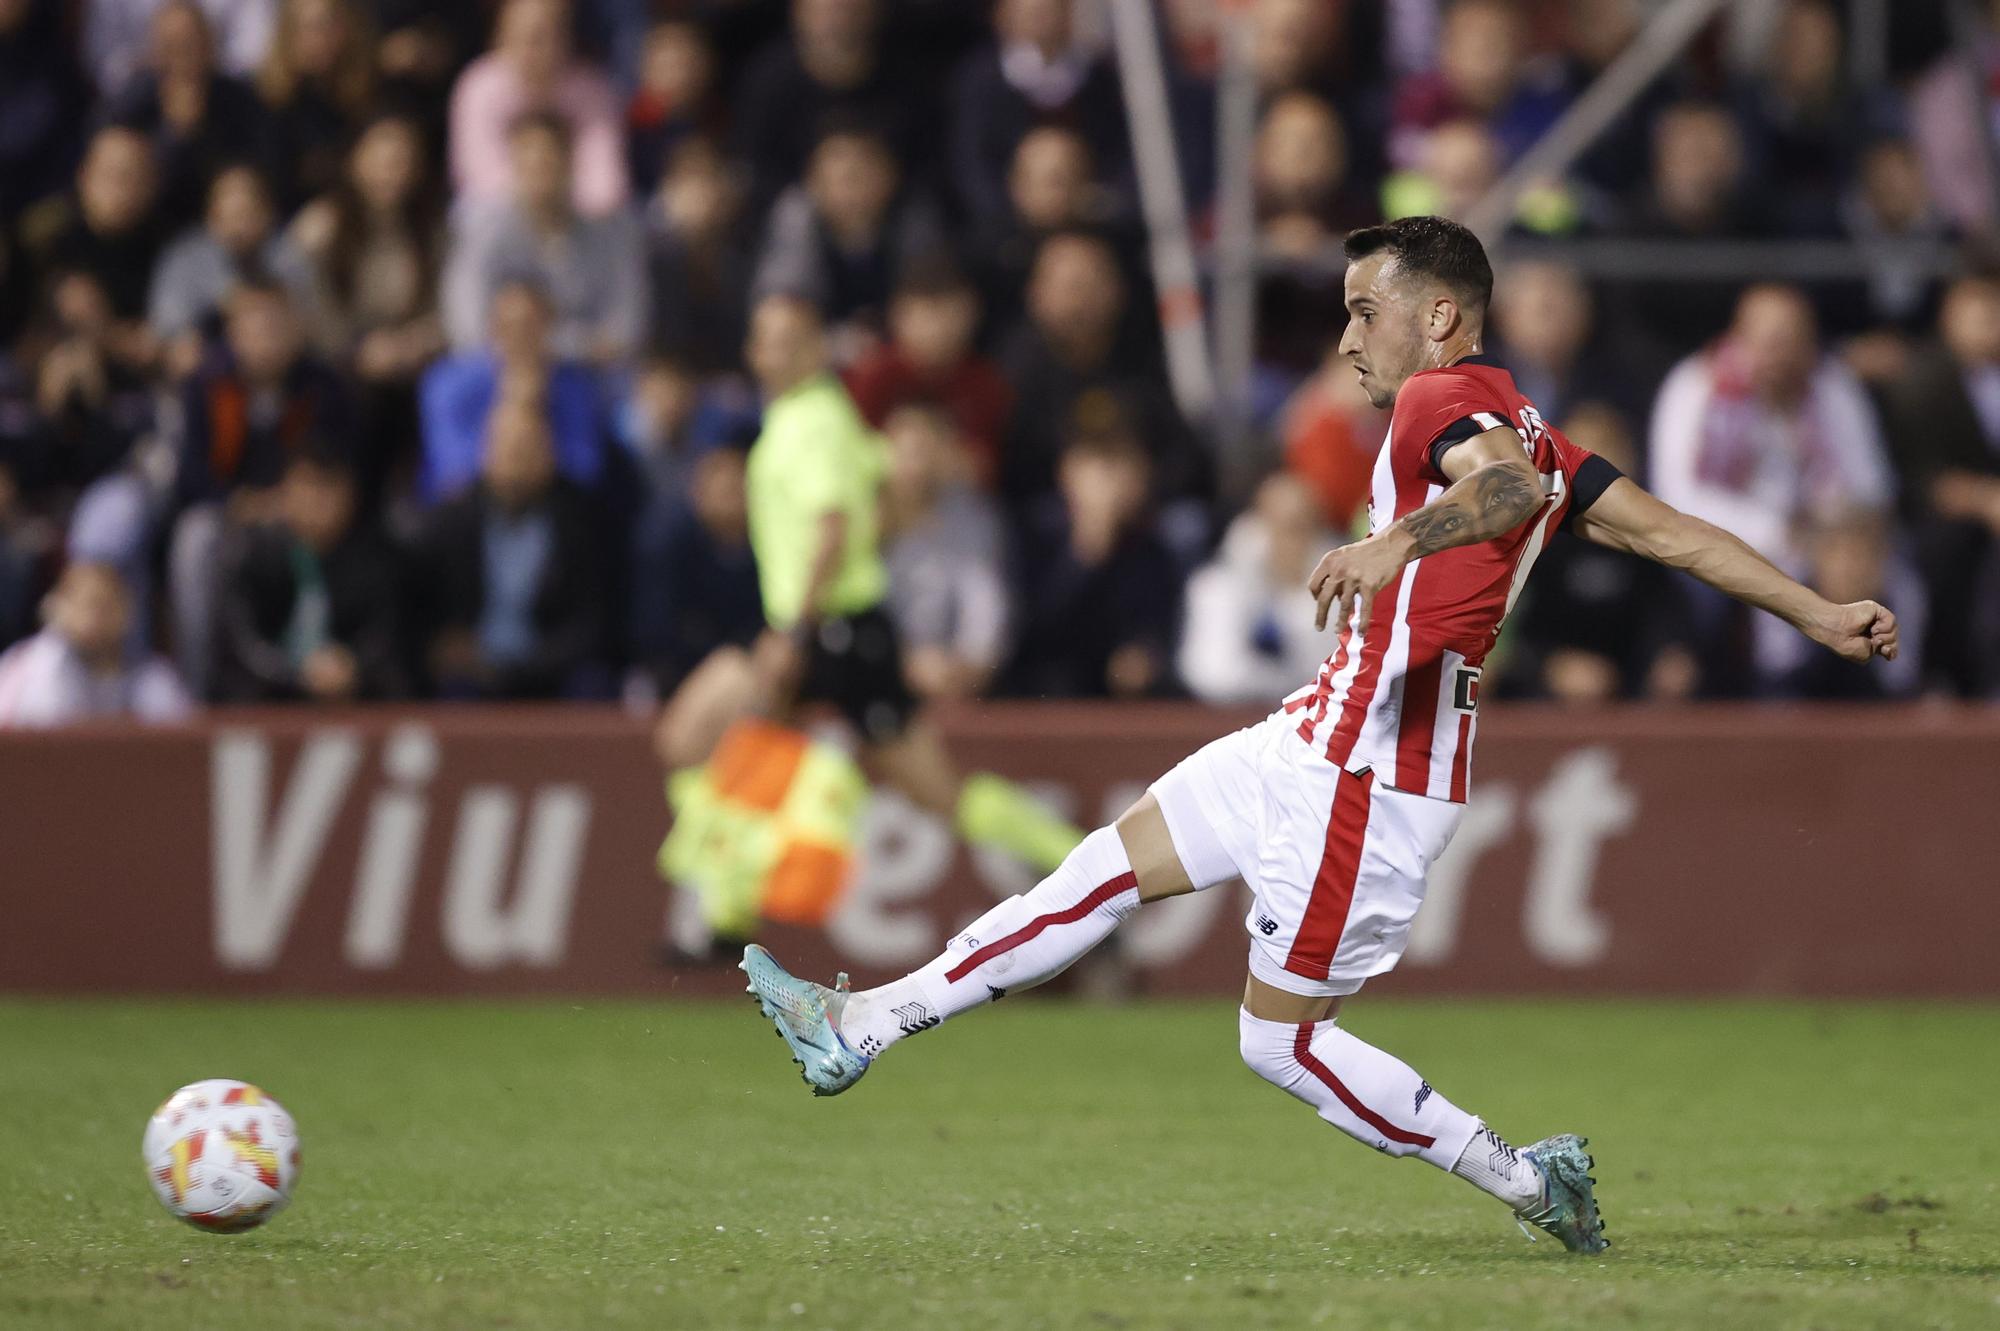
(364, 349)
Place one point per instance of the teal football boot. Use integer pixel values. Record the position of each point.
(1568, 1205)
(804, 1014)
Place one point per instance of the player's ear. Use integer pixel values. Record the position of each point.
(1444, 318)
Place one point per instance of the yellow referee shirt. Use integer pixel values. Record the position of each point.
(816, 455)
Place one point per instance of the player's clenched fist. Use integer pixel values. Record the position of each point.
(1856, 631)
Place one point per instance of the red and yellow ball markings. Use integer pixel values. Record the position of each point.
(175, 1172)
(243, 1095)
(253, 1152)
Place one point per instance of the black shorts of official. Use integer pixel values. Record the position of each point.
(855, 663)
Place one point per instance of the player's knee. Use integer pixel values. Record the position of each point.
(1266, 1049)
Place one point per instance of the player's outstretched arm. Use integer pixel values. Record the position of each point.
(1494, 489)
(1625, 517)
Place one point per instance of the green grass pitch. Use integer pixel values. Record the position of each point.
(1042, 1164)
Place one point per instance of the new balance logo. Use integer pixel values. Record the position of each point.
(1423, 1094)
(914, 1017)
(1266, 925)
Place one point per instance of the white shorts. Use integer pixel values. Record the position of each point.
(1337, 864)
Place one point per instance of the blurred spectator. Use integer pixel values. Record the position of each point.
(533, 72)
(79, 461)
(1298, 45)
(1051, 186)
(673, 101)
(1300, 175)
(198, 118)
(1889, 214)
(91, 406)
(592, 267)
(107, 232)
(237, 239)
(832, 63)
(516, 364)
(117, 37)
(44, 100)
(1077, 353)
(1331, 49)
(309, 601)
(1598, 623)
(81, 666)
(1767, 438)
(510, 585)
(1051, 181)
(248, 412)
(1805, 122)
(1034, 74)
(694, 581)
(318, 86)
(655, 423)
(1595, 34)
(1331, 435)
(670, 416)
(929, 354)
(840, 238)
(946, 551)
(368, 255)
(1099, 591)
(1484, 73)
(421, 47)
(698, 259)
(1700, 186)
(1248, 633)
(1699, 190)
(1457, 163)
(1943, 418)
(1543, 318)
(1303, 208)
(1951, 108)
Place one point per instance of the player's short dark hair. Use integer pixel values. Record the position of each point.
(1433, 247)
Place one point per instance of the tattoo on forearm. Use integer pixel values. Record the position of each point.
(1490, 501)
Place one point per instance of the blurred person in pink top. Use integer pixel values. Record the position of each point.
(532, 67)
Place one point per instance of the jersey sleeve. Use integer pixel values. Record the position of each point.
(1435, 410)
(1588, 476)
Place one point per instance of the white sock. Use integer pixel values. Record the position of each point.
(1492, 1166)
(1016, 945)
(1373, 1097)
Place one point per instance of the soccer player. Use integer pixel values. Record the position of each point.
(813, 492)
(1334, 807)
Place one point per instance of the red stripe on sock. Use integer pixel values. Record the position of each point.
(1102, 893)
(1302, 1050)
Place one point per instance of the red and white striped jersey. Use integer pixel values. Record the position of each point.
(1403, 697)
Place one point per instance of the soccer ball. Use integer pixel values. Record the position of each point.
(222, 1155)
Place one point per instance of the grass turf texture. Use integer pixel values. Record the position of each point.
(1037, 1165)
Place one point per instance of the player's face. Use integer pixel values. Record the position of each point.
(1384, 340)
